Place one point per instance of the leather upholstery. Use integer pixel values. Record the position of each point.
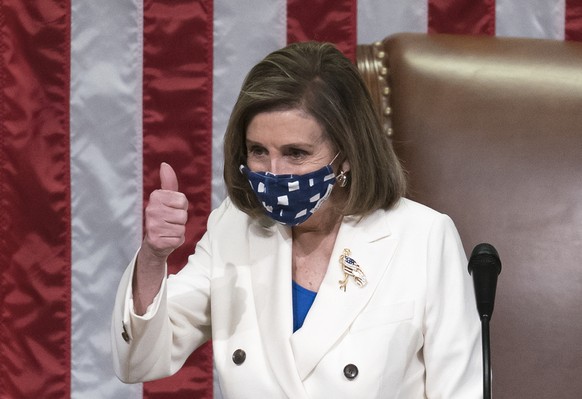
(490, 132)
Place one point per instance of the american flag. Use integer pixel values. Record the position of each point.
(95, 95)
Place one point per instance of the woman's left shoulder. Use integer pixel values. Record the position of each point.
(411, 211)
(411, 216)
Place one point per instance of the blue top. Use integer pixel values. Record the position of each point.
(302, 301)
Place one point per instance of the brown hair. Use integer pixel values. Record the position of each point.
(318, 79)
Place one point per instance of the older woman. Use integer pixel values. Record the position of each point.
(315, 278)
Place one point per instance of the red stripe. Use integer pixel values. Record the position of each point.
(471, 17)
(332, 21)
(177, 128)
(35, 301)
(573, 26)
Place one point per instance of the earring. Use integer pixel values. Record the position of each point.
(342, 179)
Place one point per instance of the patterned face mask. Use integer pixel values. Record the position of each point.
(291, 199)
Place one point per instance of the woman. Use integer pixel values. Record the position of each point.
(315, 278)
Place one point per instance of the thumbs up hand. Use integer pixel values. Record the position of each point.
(165, 216)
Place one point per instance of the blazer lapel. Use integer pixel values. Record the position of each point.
(334, 310)
(271, 279)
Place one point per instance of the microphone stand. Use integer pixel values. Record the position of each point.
(486, 357)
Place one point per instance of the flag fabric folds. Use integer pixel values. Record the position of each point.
(95, 95)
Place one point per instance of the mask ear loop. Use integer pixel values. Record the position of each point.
(334, 158)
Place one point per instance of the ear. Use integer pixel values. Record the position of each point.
(345, 166)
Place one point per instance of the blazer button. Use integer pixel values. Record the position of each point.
(351, 371)
(239, 356)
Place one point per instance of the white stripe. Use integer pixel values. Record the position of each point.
(544, 19)
(106, 176)
(380, 18)
(244, 32)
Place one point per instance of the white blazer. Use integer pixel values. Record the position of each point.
(412, 332)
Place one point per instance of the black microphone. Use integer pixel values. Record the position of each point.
(485, 266)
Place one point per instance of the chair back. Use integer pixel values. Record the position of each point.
(489, 130)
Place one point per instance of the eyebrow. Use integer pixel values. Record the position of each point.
(250, 143)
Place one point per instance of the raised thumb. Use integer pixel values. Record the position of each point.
(168, 178)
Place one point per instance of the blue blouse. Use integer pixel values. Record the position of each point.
(302, 301)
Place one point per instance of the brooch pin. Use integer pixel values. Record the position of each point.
(351, 268)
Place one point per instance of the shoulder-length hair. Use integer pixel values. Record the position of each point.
(318, 79)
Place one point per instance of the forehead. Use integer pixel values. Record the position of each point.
(285, 126)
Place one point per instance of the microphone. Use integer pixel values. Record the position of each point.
(484, 266)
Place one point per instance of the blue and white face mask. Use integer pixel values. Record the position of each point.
(291, 199)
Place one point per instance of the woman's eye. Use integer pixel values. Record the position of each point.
(297, 153)
(256, 151)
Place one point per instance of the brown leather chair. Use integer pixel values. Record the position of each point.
(490, 132)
